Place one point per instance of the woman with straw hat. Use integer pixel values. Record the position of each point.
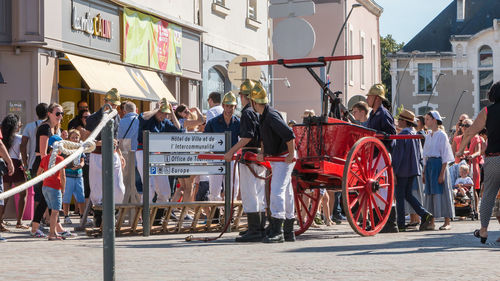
(407, 155)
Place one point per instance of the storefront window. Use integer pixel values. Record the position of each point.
(215, 83)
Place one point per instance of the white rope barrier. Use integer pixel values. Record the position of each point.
(64, 146)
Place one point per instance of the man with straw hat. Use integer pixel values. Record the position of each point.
(252, 188)
(380, 119)
(226, 121)
(112, 99)
(406, 163)
(277, 140)
(156, 121)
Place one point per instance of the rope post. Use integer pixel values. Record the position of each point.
(108, 202)
(228, 194)
(145, 184)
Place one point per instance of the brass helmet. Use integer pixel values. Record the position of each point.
(377, 90)
(165, 106)
(229, 98)
(259, 94)
(113, 96)
(246, 87)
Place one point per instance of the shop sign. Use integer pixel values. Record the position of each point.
(96, 26)
(17, 107)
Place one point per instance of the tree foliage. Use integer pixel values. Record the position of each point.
(388, 45)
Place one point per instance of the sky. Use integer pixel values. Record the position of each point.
(403, 19)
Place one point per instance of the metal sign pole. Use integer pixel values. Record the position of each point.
(145, 184)
(227, 183)
(108, 202)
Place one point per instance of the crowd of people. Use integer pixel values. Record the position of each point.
(432, 174)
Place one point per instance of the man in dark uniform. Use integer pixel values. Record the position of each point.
(112, 98)
(226, 121)
(381, 120)
(277, 140)
(252, 188)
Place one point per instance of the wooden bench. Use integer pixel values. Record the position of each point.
(168, 225)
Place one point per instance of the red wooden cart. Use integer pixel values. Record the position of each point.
(344, 157)
(337, 155)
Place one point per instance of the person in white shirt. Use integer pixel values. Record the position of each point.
(28, 142)
(216, 109)
(437, 154)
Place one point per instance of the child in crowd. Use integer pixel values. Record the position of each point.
(64, 134)
(463, 183)
(51, 190)
(74, 181)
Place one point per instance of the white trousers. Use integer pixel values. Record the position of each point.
(216, 183)
(253, 190)
(95, 178)
(158, 184)
(281, 199)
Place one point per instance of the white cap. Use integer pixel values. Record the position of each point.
(436, 115)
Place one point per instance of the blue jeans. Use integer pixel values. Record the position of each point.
(337, 210)
(53, 197)
(404, 187)
(74, 186)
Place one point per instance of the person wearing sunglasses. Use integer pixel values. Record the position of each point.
(48, 128)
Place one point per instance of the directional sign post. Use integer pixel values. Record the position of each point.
(176, 154)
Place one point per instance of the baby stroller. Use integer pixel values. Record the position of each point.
(464, 202)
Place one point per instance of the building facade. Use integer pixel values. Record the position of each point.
(450, 65)
(233, 28)
(69, 50)
(361, 36)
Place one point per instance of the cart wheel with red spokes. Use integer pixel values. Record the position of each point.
(367, 186)
(306, 204)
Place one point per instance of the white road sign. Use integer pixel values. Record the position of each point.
(179, 159)
(187, 142)
(181, 170)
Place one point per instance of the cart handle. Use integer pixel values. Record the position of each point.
(399, 137)
(304, 60)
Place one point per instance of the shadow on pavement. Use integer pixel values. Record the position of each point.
(432, 242)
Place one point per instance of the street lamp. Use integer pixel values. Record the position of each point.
(455, 109)
(340, 33)
(398, 84)
(433, 87)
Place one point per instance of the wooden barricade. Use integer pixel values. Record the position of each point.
(170, 225)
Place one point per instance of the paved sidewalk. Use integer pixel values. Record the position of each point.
(328, 253)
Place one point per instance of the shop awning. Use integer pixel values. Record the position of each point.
(129, 81)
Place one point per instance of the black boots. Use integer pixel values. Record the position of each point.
(288, 232)
(276, 231)
(254, 233)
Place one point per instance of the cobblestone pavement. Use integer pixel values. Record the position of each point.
(327, 253)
